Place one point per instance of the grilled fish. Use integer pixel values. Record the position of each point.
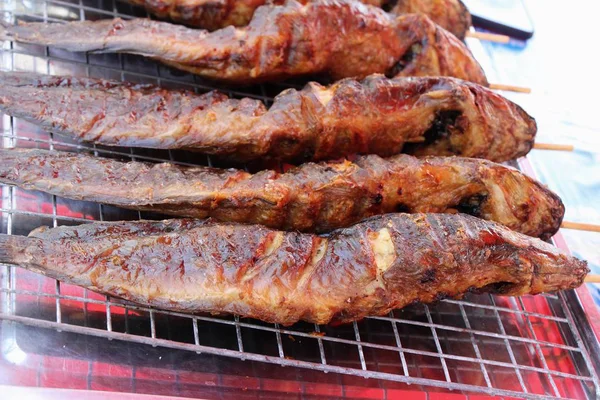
(384, 263)
(340, 38)
(312, 197)
(451, 15)
(422, 116)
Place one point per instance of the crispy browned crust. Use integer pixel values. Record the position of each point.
(336, 37)
(312, 197)
(451, 15)
(371, 268)
(436, 116)
(205, 14)
(214, 14)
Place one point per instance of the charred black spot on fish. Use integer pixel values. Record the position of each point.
(308, 153)
(406, 59)
(169, 229)
(472, 205)
(378, 198)
(442, 126)
(428, 276)
(287, 145)
(498, 287)
(389, 6)
(414, 302)
(402, 208)
(441, 296)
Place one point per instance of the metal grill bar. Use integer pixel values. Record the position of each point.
(399, 344)
(404, 332)
(202, 88)
(9, 306)
(511, 354)
(58, 311)
(391, 319)
(320, 343)
(359, 346)
(279, 343)
(509, 310)
(114, 13)
(539, 351)
(477, 332)
(85, 308)
(238, 333)
(237, 324)
(108, 315)
(437, 344)
(10, 212)
(196, 334)
(475, 346)
(98, 152)
(127, 320)
(262, 358)
(152, 324)
(586, 356)
(9, 229)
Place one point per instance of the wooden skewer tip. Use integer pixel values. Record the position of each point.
(489, 37)
(580, 226)
(592, 278)
(509, 88)
(553, 146)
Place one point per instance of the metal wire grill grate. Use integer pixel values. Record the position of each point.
(527, 347)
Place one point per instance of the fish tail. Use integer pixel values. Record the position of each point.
(11, 247)
(4, 35)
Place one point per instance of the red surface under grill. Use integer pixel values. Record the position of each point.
(532, 346)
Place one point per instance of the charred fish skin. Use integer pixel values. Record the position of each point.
(377, 115)
(384, 263)
(309, 198)
(336, 37)
(451, 15)
(216, 14)
(210, 15)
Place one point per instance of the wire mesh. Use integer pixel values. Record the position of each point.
(529, 347)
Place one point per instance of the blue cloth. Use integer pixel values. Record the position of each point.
(560, 65)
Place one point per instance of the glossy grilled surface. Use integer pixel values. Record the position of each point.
(371, 268)
(336, 37)
(451, 15)
(422, 116)
(205, 14)
(312, 197)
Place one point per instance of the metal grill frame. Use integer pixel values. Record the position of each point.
(585, 342)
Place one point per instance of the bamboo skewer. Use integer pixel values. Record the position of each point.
(592, 278)
(553, 146)
(580, 226)
(493, 37)
(510, 88)
(489, 37)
